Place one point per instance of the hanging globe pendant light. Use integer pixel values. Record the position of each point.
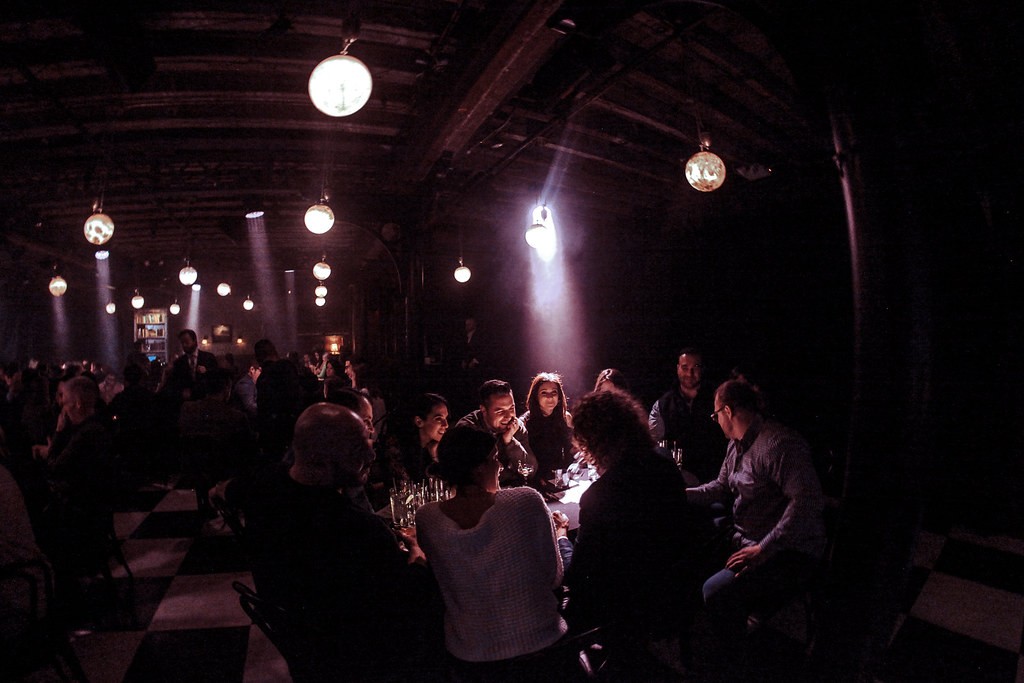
(99, 227)
(58, 285)
(705, 171)
(462, 273)
(319, 218)
(188, 275)
(322, 271)
(340, 85)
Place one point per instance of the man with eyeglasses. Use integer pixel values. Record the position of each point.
(778, 533)
(680, 418)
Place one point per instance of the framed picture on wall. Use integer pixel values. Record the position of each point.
(221, 333)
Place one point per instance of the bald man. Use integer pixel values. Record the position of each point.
(318, 555)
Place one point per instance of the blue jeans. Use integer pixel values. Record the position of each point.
(762, 588)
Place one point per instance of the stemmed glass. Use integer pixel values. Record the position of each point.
(525, 469)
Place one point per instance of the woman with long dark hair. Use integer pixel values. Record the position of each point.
(549, 424)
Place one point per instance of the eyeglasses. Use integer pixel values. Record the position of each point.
(714, 415)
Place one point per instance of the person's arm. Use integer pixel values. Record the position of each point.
(794, 474)
(565, 549)
(717, 490)
(655, 422)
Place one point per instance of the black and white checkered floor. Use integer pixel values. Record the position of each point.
(963, 618)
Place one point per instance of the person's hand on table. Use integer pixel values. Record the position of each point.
(561, 524)
(743, 559)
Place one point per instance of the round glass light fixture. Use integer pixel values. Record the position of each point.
(188, 275)
(320, 291)
(322, 271)
(137, 301)
(58, 285)
(542, 227)
(462, 273)
(319, 218)
(223, 289)
(340, 85)
(98, 228)
(102, 254)
(196, 287)
(536, 235)
(705, 171)
(175, 308)
(111, 308)
(251, 215)
(320, 301)
(248, 304)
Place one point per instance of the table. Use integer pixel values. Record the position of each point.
(569, 502)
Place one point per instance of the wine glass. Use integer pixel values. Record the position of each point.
(525, 469)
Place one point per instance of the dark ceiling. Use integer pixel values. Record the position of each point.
(182, 116)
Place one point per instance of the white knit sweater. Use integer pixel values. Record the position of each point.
(497, 578)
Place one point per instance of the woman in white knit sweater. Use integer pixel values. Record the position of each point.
(494, 555)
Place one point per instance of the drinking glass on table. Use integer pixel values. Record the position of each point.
(525, 469)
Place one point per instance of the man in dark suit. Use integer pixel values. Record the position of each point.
(189, 371)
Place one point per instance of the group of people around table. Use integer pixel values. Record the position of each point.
(496, 568)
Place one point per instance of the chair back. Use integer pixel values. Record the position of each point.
(295, 642)
(31, 636)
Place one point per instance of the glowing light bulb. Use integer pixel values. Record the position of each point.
(248, 304)
(223, 289)
(111, 308)
(340, 85)
(58, 285)
(188, 275)
(320, 291)
(319, 218)
(320, 301)
(705, 171)
(175, 308)
(138, 301)
(98, 228)
(321, 271)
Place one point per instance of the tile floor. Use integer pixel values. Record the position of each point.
(963, 621)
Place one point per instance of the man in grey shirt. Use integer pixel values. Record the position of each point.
(778, 530)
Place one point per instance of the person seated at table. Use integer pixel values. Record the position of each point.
(494, 555)
(778, 533)
(549, 425)
(632, 564)
(413, 440)
(337, 568)
(497, 417)
(610, 378)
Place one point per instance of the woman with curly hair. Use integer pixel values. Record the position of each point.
(636, 533)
